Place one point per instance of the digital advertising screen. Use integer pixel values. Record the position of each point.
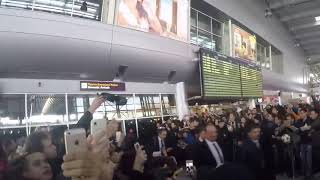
(220, 75)
(167, 18)
(244, 44)
(251, 80)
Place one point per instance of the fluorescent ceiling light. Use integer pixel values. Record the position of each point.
(317, 18)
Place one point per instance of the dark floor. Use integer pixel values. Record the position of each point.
(183, 176)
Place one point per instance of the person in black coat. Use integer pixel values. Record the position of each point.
(158, 145)
(251, 154)
(225, 139)
(208, 155)
(268, 129)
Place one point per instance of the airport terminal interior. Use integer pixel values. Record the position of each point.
(159, 89)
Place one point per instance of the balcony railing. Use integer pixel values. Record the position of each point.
(77, 8)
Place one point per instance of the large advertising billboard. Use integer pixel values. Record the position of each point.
(244, 44)
(167, 18)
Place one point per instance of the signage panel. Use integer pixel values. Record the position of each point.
(102, 86)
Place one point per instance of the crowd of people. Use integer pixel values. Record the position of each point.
(235, 143)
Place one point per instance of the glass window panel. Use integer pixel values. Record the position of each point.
(79, 102)
(12, 110)
(216, 27)
(217, 43)
(54, 6)
(156, 99)
(204, 39)
(193, 35)
(80, 109)
(127, 110)
(148, 105)
(46, 109)
(193, 19)
(204, 22)
(87, 9)
(168, 104)
(26, 4)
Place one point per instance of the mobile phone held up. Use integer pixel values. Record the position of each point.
(189, 167)
(118, 136)
(136, 146)
(97, 126)
(75, 140)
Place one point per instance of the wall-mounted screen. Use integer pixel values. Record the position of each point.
(220, 75)
(244, 44)
(251, 80)
(167, 18)
(227, 77)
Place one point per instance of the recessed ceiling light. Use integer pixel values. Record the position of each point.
(317, 18)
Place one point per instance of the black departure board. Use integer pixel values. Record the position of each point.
(227, 77)
(251, 80)
(220, 75)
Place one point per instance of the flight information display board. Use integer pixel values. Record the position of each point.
(251, 80)
(227, 77)
(220, 75)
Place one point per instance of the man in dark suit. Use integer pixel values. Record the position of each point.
(208, 155)
(251, 154)
(158, 146)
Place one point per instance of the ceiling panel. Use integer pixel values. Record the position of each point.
(299, 17)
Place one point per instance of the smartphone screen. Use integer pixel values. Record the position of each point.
(137, 146)
(97, 125)
(118, 136)
(189, 165)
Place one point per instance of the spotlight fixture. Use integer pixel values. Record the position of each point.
(268, 13)
(308, 59)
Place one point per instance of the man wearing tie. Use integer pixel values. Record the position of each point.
(208, 154)
(159, 147)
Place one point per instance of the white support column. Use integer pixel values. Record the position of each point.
(161, 110)
(26, 112)
(181, 101)
(270, 56)
(230, 38)
(135, 114)
(67, 110)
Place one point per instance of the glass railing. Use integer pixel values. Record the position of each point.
(76, 8)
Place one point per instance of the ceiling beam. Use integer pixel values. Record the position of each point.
(313, 52)
(311, 46)
(310, 41)
(315, 59)
(307, 35)
(304, 26)
(302, 14)
(284, 3)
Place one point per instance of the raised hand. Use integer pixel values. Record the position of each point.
(82, 165)
(96, 103)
